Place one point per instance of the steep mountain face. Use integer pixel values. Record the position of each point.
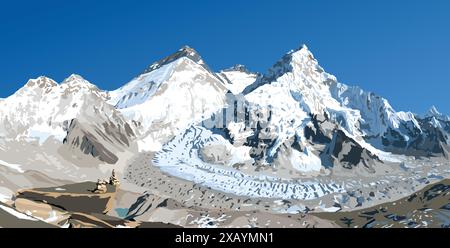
(377, 115)
(300, 119)
(439, 122)
(100, 132)
(43, 110)
(348, 153)
(433, 112)
(432, 141)
(172, 94)
(398, 132)
(294, 115)
(298, 76)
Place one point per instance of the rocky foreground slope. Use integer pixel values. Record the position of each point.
(80, 205)
(429, 207)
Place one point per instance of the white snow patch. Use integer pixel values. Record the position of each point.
(237, 81)
(122, 226)
(208, 222)
(15, 167)
(329, 209)
(140, 89)
(305, 161)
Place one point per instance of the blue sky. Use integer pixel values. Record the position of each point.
(398, 49)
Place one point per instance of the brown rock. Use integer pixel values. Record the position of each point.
(9, 219)
(101, 187)
(42, 211)
(77, 197)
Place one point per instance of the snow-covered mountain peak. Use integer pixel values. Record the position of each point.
(41, 82)
(184, 66)
(143, 87)
(184, 52)
(302, 50)
(301, 56)
(43, 108)
(189, 51)
(237, 67)
(433, 112)
(77, 80)
(299, 78)
(299, 63)
(182, 87)
(73, 78)
(35, 88)
(77, 84)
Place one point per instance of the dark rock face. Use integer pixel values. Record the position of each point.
(261, 142)
(148, 202)
(321, 130)
(90, 147)
(393, 139)
(99, 141)
(347, 152)
(88, 144)
(431, 140)
(144, 204)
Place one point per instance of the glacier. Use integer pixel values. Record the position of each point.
(180, 158)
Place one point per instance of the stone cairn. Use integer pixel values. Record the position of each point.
(113, 180)
(102, 188)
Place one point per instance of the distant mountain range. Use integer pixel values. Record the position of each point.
(292, 133)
